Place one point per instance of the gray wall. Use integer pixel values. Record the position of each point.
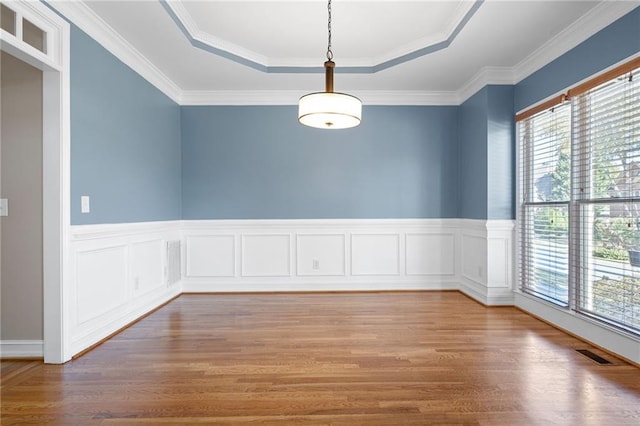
(21, 183)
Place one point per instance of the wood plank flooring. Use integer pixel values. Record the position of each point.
(423, 358)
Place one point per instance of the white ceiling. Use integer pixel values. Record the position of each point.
(385, 51)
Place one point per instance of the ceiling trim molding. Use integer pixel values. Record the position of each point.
(291, 97)
(89, 22)
(596, 19)
(225, 49)
(485, 77)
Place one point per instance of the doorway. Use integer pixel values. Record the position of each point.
(34, 34)
(21, 280)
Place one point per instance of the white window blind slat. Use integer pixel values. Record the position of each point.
(583, 157)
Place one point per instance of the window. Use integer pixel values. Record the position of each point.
(579, 199)
(544, 213)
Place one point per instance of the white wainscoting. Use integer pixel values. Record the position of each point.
(320, 255)
(487, 258)
(118, 273)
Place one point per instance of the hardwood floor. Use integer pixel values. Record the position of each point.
(336, 358)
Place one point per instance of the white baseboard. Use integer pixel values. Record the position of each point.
(119, 272)
(113, 322)
(595, 332)
(21, 349)
(301, 286)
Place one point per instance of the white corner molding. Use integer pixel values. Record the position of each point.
(485, 77)
(487, 260)
(10, 349)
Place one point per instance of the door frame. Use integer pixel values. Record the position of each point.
(55, 66)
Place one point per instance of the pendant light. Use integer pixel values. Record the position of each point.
(329, 109)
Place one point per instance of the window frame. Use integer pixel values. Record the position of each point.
(579, 200)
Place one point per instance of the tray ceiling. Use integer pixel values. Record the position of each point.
(425, 48)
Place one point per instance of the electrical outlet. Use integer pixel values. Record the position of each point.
(315, 264)
(136, 283)
(4, 207)
(85, 204)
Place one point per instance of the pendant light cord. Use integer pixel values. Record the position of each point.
(329, 51)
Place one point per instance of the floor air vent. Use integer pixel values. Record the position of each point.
(174, 266)
(594, 357)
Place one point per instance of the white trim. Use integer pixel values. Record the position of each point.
(477, 284)
(598, 18)
(55, 166)
(92, 24)
(117, 319)
(291, 97)
(487, 274)
(595, 332)
(225, 48)
(204, 286)
(595, 20)
(21, 349)
(483, 78)
(115, 230)
(388, 272)
(111, 249)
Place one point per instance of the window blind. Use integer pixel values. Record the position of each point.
(579, 198)
(545, 148)
(606, 123)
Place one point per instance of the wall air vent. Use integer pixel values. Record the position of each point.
(174, 264)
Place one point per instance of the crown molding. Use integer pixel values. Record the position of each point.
(598, 18)
(225, 49)
(485, 77)
(88, 21)
(602, 15)
(290, 97)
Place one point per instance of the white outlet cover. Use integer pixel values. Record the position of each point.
(4, 207)
(85, 204)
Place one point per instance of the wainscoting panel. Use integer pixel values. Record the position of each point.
(145, 258)
(474, 253)
(430, 254)
(324, 255)
(321, 255)
(210, 256)
(487, 255)
(117, 274)
(375, 254)
(101, 281)
(266, 255)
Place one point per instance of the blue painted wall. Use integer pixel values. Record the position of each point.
(501, 148)
(258, 162)
(487, 161)
(141, 157)
(125, 141)
(472, 192)
(609, 46)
